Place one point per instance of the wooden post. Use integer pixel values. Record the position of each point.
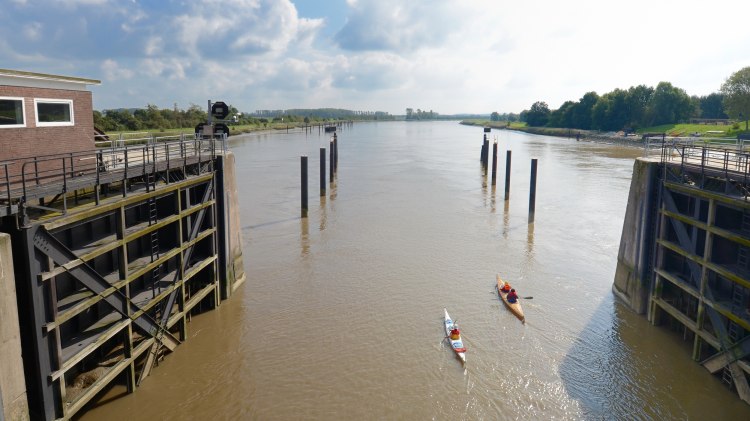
(507, 175)
(486, 153)
(335, 153)
(494, 163)
(303, 168)
(330, 165)
(532, 191)
(322, 171)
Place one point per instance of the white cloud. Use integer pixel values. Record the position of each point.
(114, 72)
(478, 56)
(154, 45)
(33, 31)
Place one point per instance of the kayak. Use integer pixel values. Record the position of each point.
(514, 308)
(456, 344)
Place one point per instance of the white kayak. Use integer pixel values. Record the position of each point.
(456, 344)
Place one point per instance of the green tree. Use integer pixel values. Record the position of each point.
(712, 106)
(538, 115)
(736, 92)
(637, 102)
(582, 111)
(495, 116)
(668, 105)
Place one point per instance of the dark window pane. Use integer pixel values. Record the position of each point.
(11, 112)
(53, 112)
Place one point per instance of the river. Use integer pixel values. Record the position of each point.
(341, 314)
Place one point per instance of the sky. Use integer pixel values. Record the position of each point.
(448, 56)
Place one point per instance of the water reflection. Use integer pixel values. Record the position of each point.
(304, 236)
(530, 239)
(323, 214)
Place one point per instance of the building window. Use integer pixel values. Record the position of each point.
(54, 112)
(12, 113)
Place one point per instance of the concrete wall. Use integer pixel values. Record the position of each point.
(235, 268)
(632, 277)
(13, 403)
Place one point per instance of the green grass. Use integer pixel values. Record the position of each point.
(493, 124)
(233, 130)
(691, 129)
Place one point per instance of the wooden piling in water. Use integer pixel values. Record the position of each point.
(486, 153)
(330, 165)
(507, 175)
(494, 163)
(322, 172)
(335, 154)
(303, 171)
(532, 191)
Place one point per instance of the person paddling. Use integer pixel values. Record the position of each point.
(512, 296)
(455, 333)
(506, 288)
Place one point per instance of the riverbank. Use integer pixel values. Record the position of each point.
(580, 135)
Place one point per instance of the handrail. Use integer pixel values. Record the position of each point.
(54, 174)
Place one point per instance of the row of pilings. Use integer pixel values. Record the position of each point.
(333, 152)
(484, 159)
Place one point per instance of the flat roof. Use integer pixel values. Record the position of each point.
(44, 76)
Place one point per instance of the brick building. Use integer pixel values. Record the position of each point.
(43, 114)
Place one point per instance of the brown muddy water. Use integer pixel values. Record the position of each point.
(341, 314)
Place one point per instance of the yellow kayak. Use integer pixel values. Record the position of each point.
(514, 308)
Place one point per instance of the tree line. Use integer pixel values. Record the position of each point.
(643, 106)
(154, 118)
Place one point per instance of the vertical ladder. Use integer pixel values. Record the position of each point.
(152, 220)
(742, 257)
(745, 228)
(732, 333)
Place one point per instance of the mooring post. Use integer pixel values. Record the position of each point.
(330, 165)
(322, 171)
(485, 150)
(494, 163)
(507, 175)
(486, 157)
(532, 191)
(303, 168)
(335, 153)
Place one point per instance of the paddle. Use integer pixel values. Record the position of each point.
(526, 298)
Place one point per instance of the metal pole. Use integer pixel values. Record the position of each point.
(322, 171)
(507, 175)
(303, 168)
(494, 163)
(532, 191)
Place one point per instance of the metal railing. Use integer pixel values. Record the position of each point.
(655, 144)
(38, 177)
(730, 164)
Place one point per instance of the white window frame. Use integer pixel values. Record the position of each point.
(23, 111)
(53, 101)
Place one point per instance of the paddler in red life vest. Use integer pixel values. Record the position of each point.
(506, 288)
(455, 333)
(512, 296)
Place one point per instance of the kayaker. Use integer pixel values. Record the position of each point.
(455, 334)
(506, 288)
(512, 296)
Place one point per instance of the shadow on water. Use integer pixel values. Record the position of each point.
(621, 367)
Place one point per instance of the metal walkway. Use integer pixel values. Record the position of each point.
(44, 182)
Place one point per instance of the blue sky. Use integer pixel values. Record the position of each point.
(450, 56)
